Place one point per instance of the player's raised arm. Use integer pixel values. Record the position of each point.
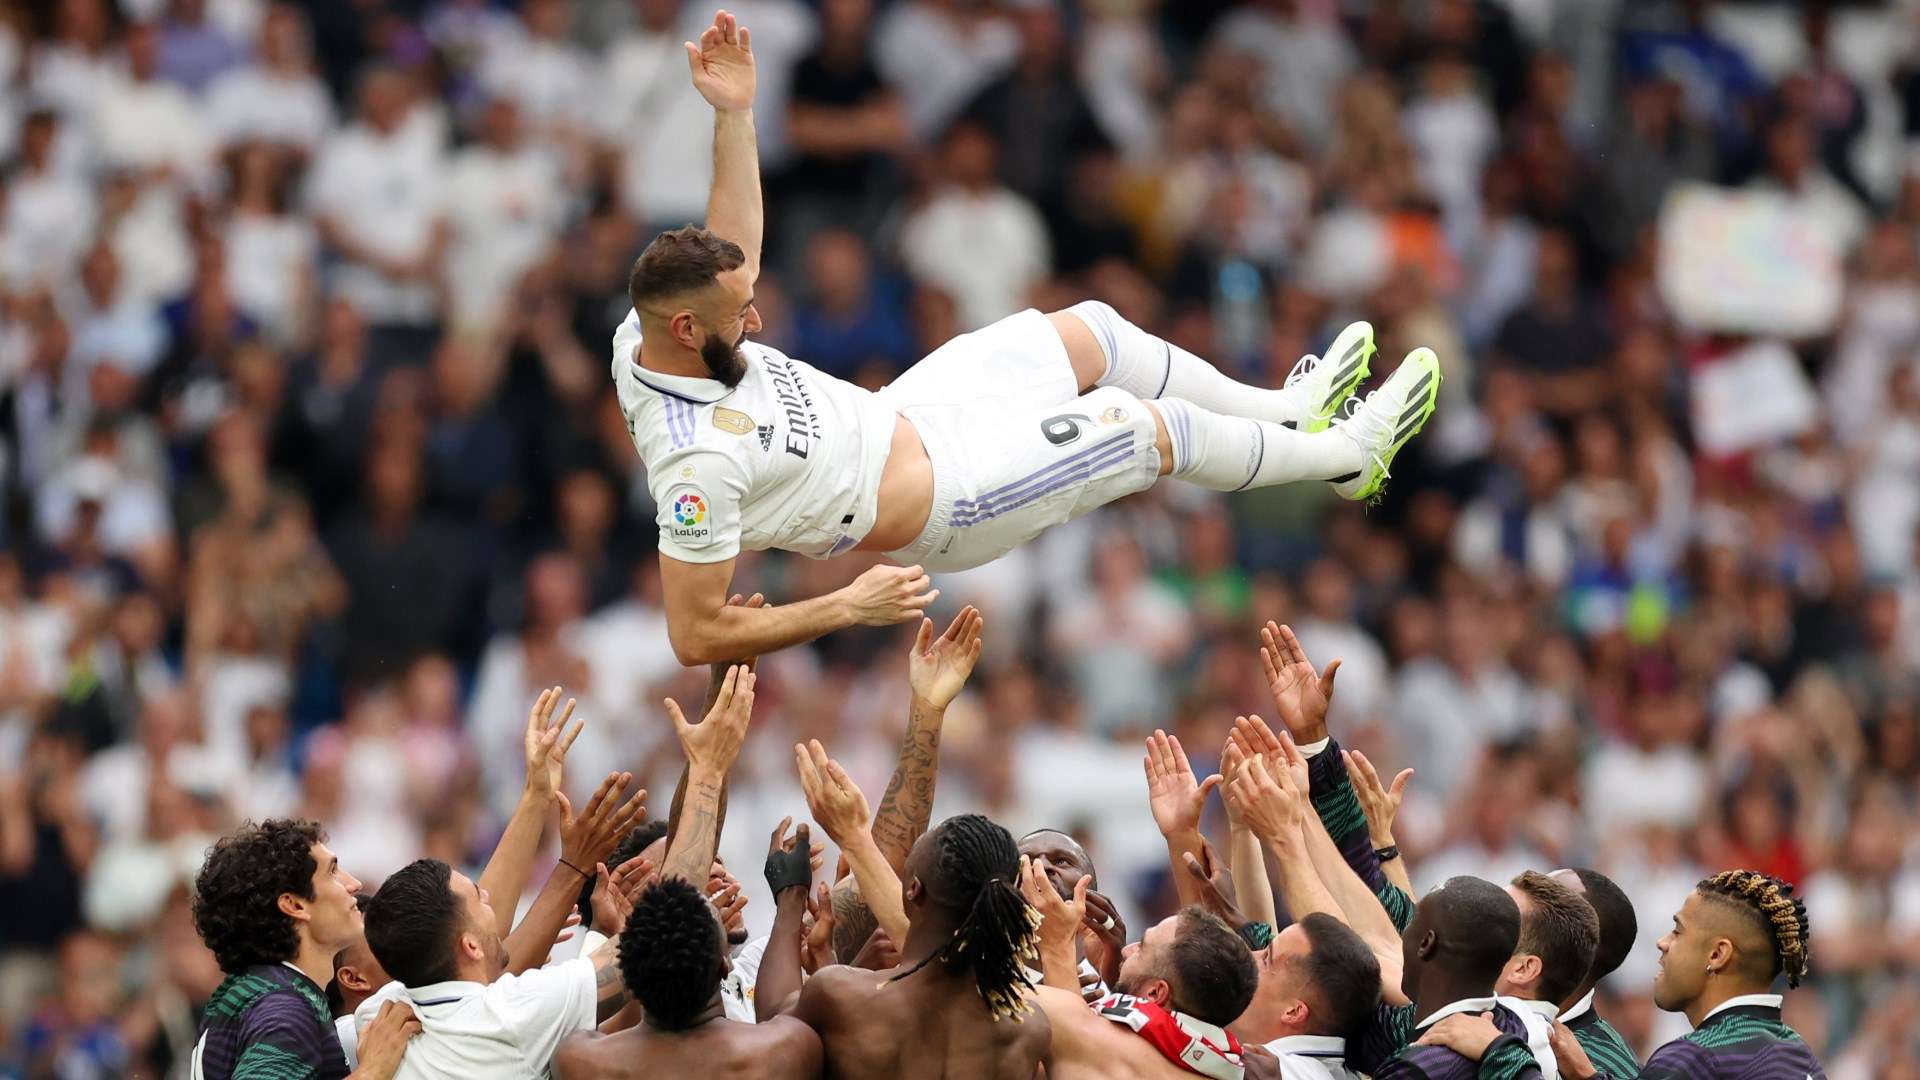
(723, 72)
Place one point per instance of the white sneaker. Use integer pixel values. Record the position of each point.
(1326, 383)
(1387, 420)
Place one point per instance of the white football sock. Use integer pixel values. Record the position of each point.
(1232, 453)
(1150, 367)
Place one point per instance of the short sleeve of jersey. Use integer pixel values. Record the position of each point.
(545, 1005)
(699, 507)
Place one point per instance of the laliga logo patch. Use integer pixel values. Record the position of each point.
(689, 512)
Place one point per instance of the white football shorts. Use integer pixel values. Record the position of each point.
(1016, 449)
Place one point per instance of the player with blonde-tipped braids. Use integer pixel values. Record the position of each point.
(1737, 933)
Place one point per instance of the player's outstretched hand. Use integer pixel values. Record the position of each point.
(886, 595)
(546, 743)
(1060, 917)
(1270, 803)
(836, 802)
(713, 743)
(1175, 795)
(722, 64)
(938, 668)
(592, 836)
(1379, 802)
(1300, 694)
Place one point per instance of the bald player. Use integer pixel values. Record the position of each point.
(1619, 929)
(1064, 862)
(1455, 947)
(960, 1001)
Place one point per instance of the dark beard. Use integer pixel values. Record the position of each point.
(726, 363)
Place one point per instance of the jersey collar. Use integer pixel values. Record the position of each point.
(684, 387)
(1579, 1009)
(1464, 1005)
(1753, 1001)
(1313, 1046)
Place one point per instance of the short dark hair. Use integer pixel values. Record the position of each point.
(1343, 976)
(1561, 929)
(236, 897)
(672, 952)
(1478, 926)
(414, 921)
(1214, 976)
(1619, 926)
(680, 261)
(637, 840)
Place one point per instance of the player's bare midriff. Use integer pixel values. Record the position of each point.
(906, 492)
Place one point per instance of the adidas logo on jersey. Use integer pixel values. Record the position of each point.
(766, 437)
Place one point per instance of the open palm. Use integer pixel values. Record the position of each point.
(1300, 694)
(1176, 796)
(938, 667)
(722, 64)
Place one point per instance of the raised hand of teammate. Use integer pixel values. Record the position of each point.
(1215, 884)
(591, 837)
(1060, 917)
(938, 668)
(886, 595)
(1300, 694)
(1271, 803)
(714, 743)
(816, 941)
(836, 802)
(614, 893)
(1379, 802)
(546, 743)
(1103, 935)
(722, 64)
(1176, 796)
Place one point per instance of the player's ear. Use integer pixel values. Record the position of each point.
(1158, 991)
(685, 328)
(353, 979)
(1429, 944)
(1523, 968)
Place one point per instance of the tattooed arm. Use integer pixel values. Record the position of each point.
(711, 747)
(716, 678)
(937, 669)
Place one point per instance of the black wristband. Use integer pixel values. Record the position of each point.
(577, 870)
(790, 869)
(1388, 853)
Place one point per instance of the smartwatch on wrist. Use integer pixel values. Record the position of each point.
(1388, 853)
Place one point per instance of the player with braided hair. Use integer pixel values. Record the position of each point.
(1737, 932)
(960, 1001)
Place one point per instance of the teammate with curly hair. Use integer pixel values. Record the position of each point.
(274, 907)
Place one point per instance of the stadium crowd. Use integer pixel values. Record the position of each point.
(314, 480)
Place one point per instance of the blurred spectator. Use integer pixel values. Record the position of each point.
(505, 204)
(277, 98)
(975, 238)
(852, 320)
(143, 121)
(1303, 57)
(377, 194)
(939, 53)
(655, 122)
(195, 51)
(845, 124)
(49, 212)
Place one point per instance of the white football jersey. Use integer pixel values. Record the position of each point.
(790, 458)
